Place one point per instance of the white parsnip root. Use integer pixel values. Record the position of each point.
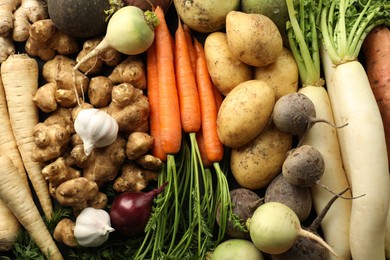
(16, 197)
(20, 79)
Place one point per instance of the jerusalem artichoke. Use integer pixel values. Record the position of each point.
(7, 9)
(27, 13)
(45, 41)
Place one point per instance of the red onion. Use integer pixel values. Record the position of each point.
(131, 210)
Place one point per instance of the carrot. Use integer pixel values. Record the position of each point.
(152, 86)
(218, 97)
(190, 113)
(376, 51)
(17, 198)
(213, 146)
(20, 79)
(199, 139)
(169, 111)
(190, 44)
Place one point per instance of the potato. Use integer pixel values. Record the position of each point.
(226, 71)
(205, 16)
(255, 164)
(245, 112)
(253, 38)
(282, 74)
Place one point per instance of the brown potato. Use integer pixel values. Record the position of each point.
(253, 38)
(282, 74)
(255, 164)
(245, 112)
(226, 71)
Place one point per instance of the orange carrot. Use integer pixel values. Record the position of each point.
(376, 50)
(200, 141)
(186, 84)
(218, 96)
(152, 86)
(170, 125)
(213, 146)
(190, 44)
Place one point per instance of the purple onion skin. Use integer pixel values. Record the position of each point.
(131, 210)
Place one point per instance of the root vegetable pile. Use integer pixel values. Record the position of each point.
(172, 138)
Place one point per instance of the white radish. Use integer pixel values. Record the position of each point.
(335, 224)
(362, 141)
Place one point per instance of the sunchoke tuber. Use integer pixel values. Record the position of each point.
(138, 144)
(58, 172)
(109, 56)
(30, 11)
(45, 99)
(149, 162)
(99, 91)
(51, 141)
(7, 9)
(46, 41)
(7, 48)
(130, 108)
(133, 178)
(104, 163)
(80, 193)
(131, 70)
(64, 232)
(60, 71)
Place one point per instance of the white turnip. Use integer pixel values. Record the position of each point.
(129, 31)
(274, 228)
(235, 248)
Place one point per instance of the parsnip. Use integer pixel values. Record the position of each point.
(20, 79)
(16, 197)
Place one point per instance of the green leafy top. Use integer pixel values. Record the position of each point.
(303, 38)
(344, 25)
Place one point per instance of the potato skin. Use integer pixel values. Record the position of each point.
(245, 112)
(282, 74)
(205, 16)
(226, 71)
(255, 164)
(253, 38)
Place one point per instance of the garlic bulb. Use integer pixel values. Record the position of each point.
(96, 128)
(93, 227)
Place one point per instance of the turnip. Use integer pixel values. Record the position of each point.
(129, 31)
(295, 113)
(305, 248)
(245, 202)
(235, 248)
(297, 198)
(304, 166)
(274, 228)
